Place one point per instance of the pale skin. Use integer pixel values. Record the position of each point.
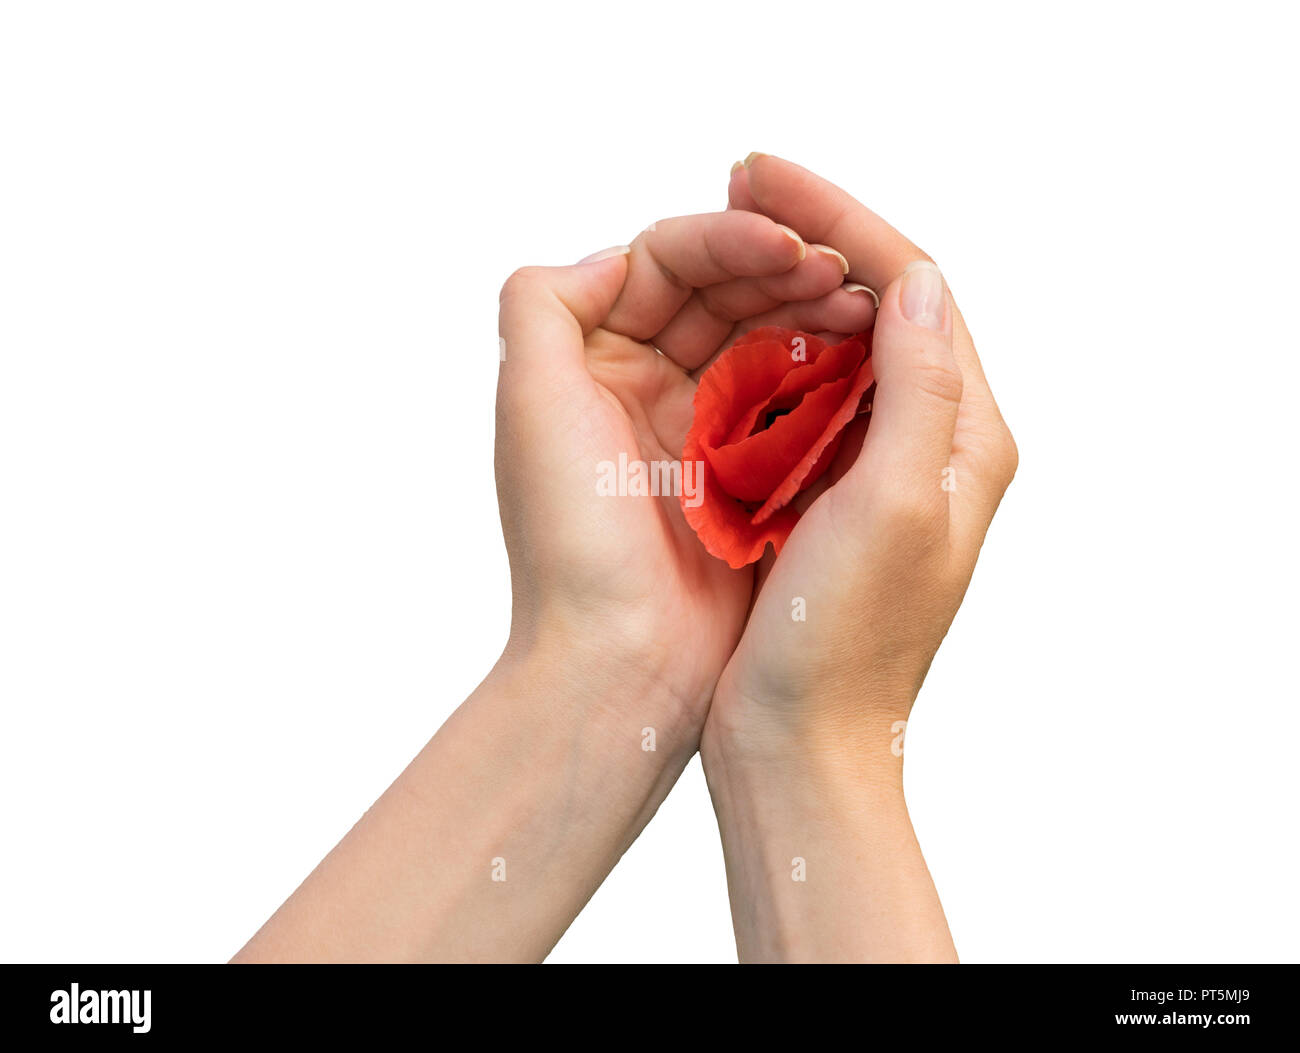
(503, 826)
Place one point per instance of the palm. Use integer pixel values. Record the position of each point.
(765, 656)
(640, 404)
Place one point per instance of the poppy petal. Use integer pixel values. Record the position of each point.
(802, 474)
(753, 468)
(768, 421)
(725, 526)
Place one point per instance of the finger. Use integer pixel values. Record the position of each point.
(914, 410)
(675, 256)
(821, 271)
(671, 414)
(984, 461)
(984, 455)
(848, 309)
(822, 212)
(877, 253)
(704, 321)
(738, 195)
(545, 313)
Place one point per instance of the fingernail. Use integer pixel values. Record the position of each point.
(752, 158)
(826, 250)
(921, 296)
(737, 167)
(803, 249)
(855, 287)
(605, 254)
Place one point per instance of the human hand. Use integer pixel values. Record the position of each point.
(801, 748)
(618, 588)
(879, 563)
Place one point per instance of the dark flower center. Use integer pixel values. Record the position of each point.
(771, 416)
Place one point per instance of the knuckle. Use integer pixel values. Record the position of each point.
(1009, 457)
(523, 279)
(913, 519)
(994, 452)
(940, 379)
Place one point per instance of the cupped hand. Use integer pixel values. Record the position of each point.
(846, 623)
(596, 373)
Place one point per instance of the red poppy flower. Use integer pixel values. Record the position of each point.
(769, 416)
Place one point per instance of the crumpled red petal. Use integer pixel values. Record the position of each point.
(767, 426)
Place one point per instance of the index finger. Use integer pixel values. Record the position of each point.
(822, 212)
(674, 257)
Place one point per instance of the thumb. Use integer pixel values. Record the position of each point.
(918, 391)
(546, 312)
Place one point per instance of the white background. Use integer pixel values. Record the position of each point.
(249, 554)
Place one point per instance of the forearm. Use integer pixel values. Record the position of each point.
(496, 835)
(822, 862)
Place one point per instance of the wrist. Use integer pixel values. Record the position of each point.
(609, 691)
(822, 744)
(822, 861)
(802, 778)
